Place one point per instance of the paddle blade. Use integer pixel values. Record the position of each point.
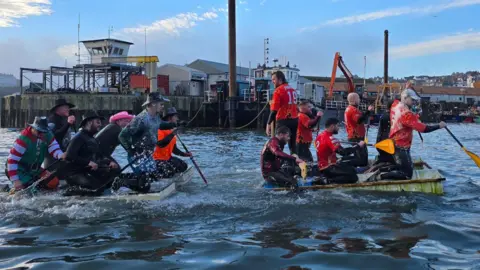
(386, 146)
(474, 157)
(303, 168)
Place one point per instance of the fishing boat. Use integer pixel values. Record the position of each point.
(477, 119)
(424, 180)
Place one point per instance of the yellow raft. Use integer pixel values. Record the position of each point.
(424, 180)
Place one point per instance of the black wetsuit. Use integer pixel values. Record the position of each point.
(273, 161)
(61, 131)
(383, 132)
(82, 149)
(291, 124)
(107, 139)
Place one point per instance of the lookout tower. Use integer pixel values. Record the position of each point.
(108, 47)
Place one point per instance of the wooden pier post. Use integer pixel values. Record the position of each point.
(232, 51)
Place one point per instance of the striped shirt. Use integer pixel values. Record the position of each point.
(22, 148)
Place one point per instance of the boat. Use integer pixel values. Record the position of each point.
(160, 189)
(477, 119)
(424, 180)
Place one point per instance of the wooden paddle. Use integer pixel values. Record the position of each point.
(474, 157)
(193, 161)
(386, 145)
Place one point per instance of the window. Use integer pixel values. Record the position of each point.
(120, 52)
(97, 50)
(115, 51)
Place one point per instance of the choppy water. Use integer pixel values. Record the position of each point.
(231, 224)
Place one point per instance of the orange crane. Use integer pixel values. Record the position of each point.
(338, 62)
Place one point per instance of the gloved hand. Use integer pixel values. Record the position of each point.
(182, 123)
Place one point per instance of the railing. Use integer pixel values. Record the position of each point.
(248, 95)
(337, 105)
(210, 96)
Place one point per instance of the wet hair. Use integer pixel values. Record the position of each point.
(280, 76)
(331, 121)
(304, 102)
(282, 130)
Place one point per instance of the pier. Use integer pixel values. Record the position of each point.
(18, 110)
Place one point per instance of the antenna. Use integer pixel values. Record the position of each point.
(266, 51)
(365, 72)
(110, 30)
(78, 39)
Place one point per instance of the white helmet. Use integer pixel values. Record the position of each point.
(410, 93)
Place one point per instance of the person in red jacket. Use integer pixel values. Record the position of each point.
(355, 124)
(273, 157)
(283, 109)
(306, 122)
(403, 122)
(327, 149)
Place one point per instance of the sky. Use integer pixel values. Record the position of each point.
(427, 37)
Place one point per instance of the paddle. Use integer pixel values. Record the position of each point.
(386, 145)
(193, 161)
(474, 157)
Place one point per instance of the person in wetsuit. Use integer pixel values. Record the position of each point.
(167, 164)
(383, 133)
(306, 122)
(61, 123)
(108, 137)
(327, 149)
(355, 124)
(272, 158)
(283, 109)
(87, 167)
(403, 122)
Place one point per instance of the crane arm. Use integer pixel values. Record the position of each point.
(338, 63)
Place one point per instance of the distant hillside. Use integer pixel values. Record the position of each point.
(5, 91)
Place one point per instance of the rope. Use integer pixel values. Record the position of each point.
(199, 109)
(254, 118)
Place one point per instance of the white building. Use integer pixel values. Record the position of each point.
(107, 47)
(450, 94)
(217, 72)
(291, 74)
(184, 80)
(470, 81)
(8, 80)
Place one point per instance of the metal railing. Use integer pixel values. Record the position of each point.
(337, 105)
(210, 96)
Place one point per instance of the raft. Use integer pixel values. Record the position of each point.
(160, 189)
(423, 180)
